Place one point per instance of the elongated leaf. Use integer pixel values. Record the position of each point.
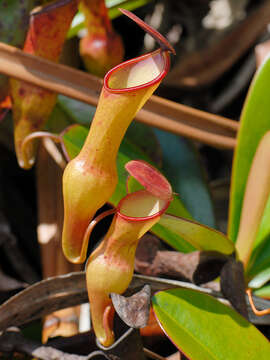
(73, 140)
(259, 259)
(180, 163)
(264, 229)
(198, 235)
(255, 199)
(260, 279)
(254, 124)
(263, 292)
(205, 329)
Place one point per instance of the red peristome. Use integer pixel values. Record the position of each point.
(150, 178)
(161, 40)
(138, 59)
(135, 195)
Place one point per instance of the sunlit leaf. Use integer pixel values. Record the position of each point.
(260, 279)
(255, 200)
(254, 124)
(205, 329)
(198, 235)
(263, 292)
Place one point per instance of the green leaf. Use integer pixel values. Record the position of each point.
(78, 111)
(73, 140)
(143, 136)
(260, 279)
(260, 257)
(264, 229)
(172, 238)
(259, 260)
(112, 5)
(263, 292)
(205, 329)
(254, 124)
(180, 163)
(76, 25)
(58, 120)
(200, 236)
(125, 4)
(14, 19)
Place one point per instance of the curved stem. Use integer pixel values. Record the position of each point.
(256, 311)
(94, 222)
(55, 153)
(37, 135)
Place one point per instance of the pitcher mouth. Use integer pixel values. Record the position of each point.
(138, 73)
(147, 206)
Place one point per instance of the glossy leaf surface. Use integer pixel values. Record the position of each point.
(254, 124)
(205, 329)
(198, 235)
(260, 279)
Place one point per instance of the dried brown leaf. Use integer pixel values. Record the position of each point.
(133, 310)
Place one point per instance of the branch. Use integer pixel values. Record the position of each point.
(164, 114)
(12, 341)
(67, 290)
